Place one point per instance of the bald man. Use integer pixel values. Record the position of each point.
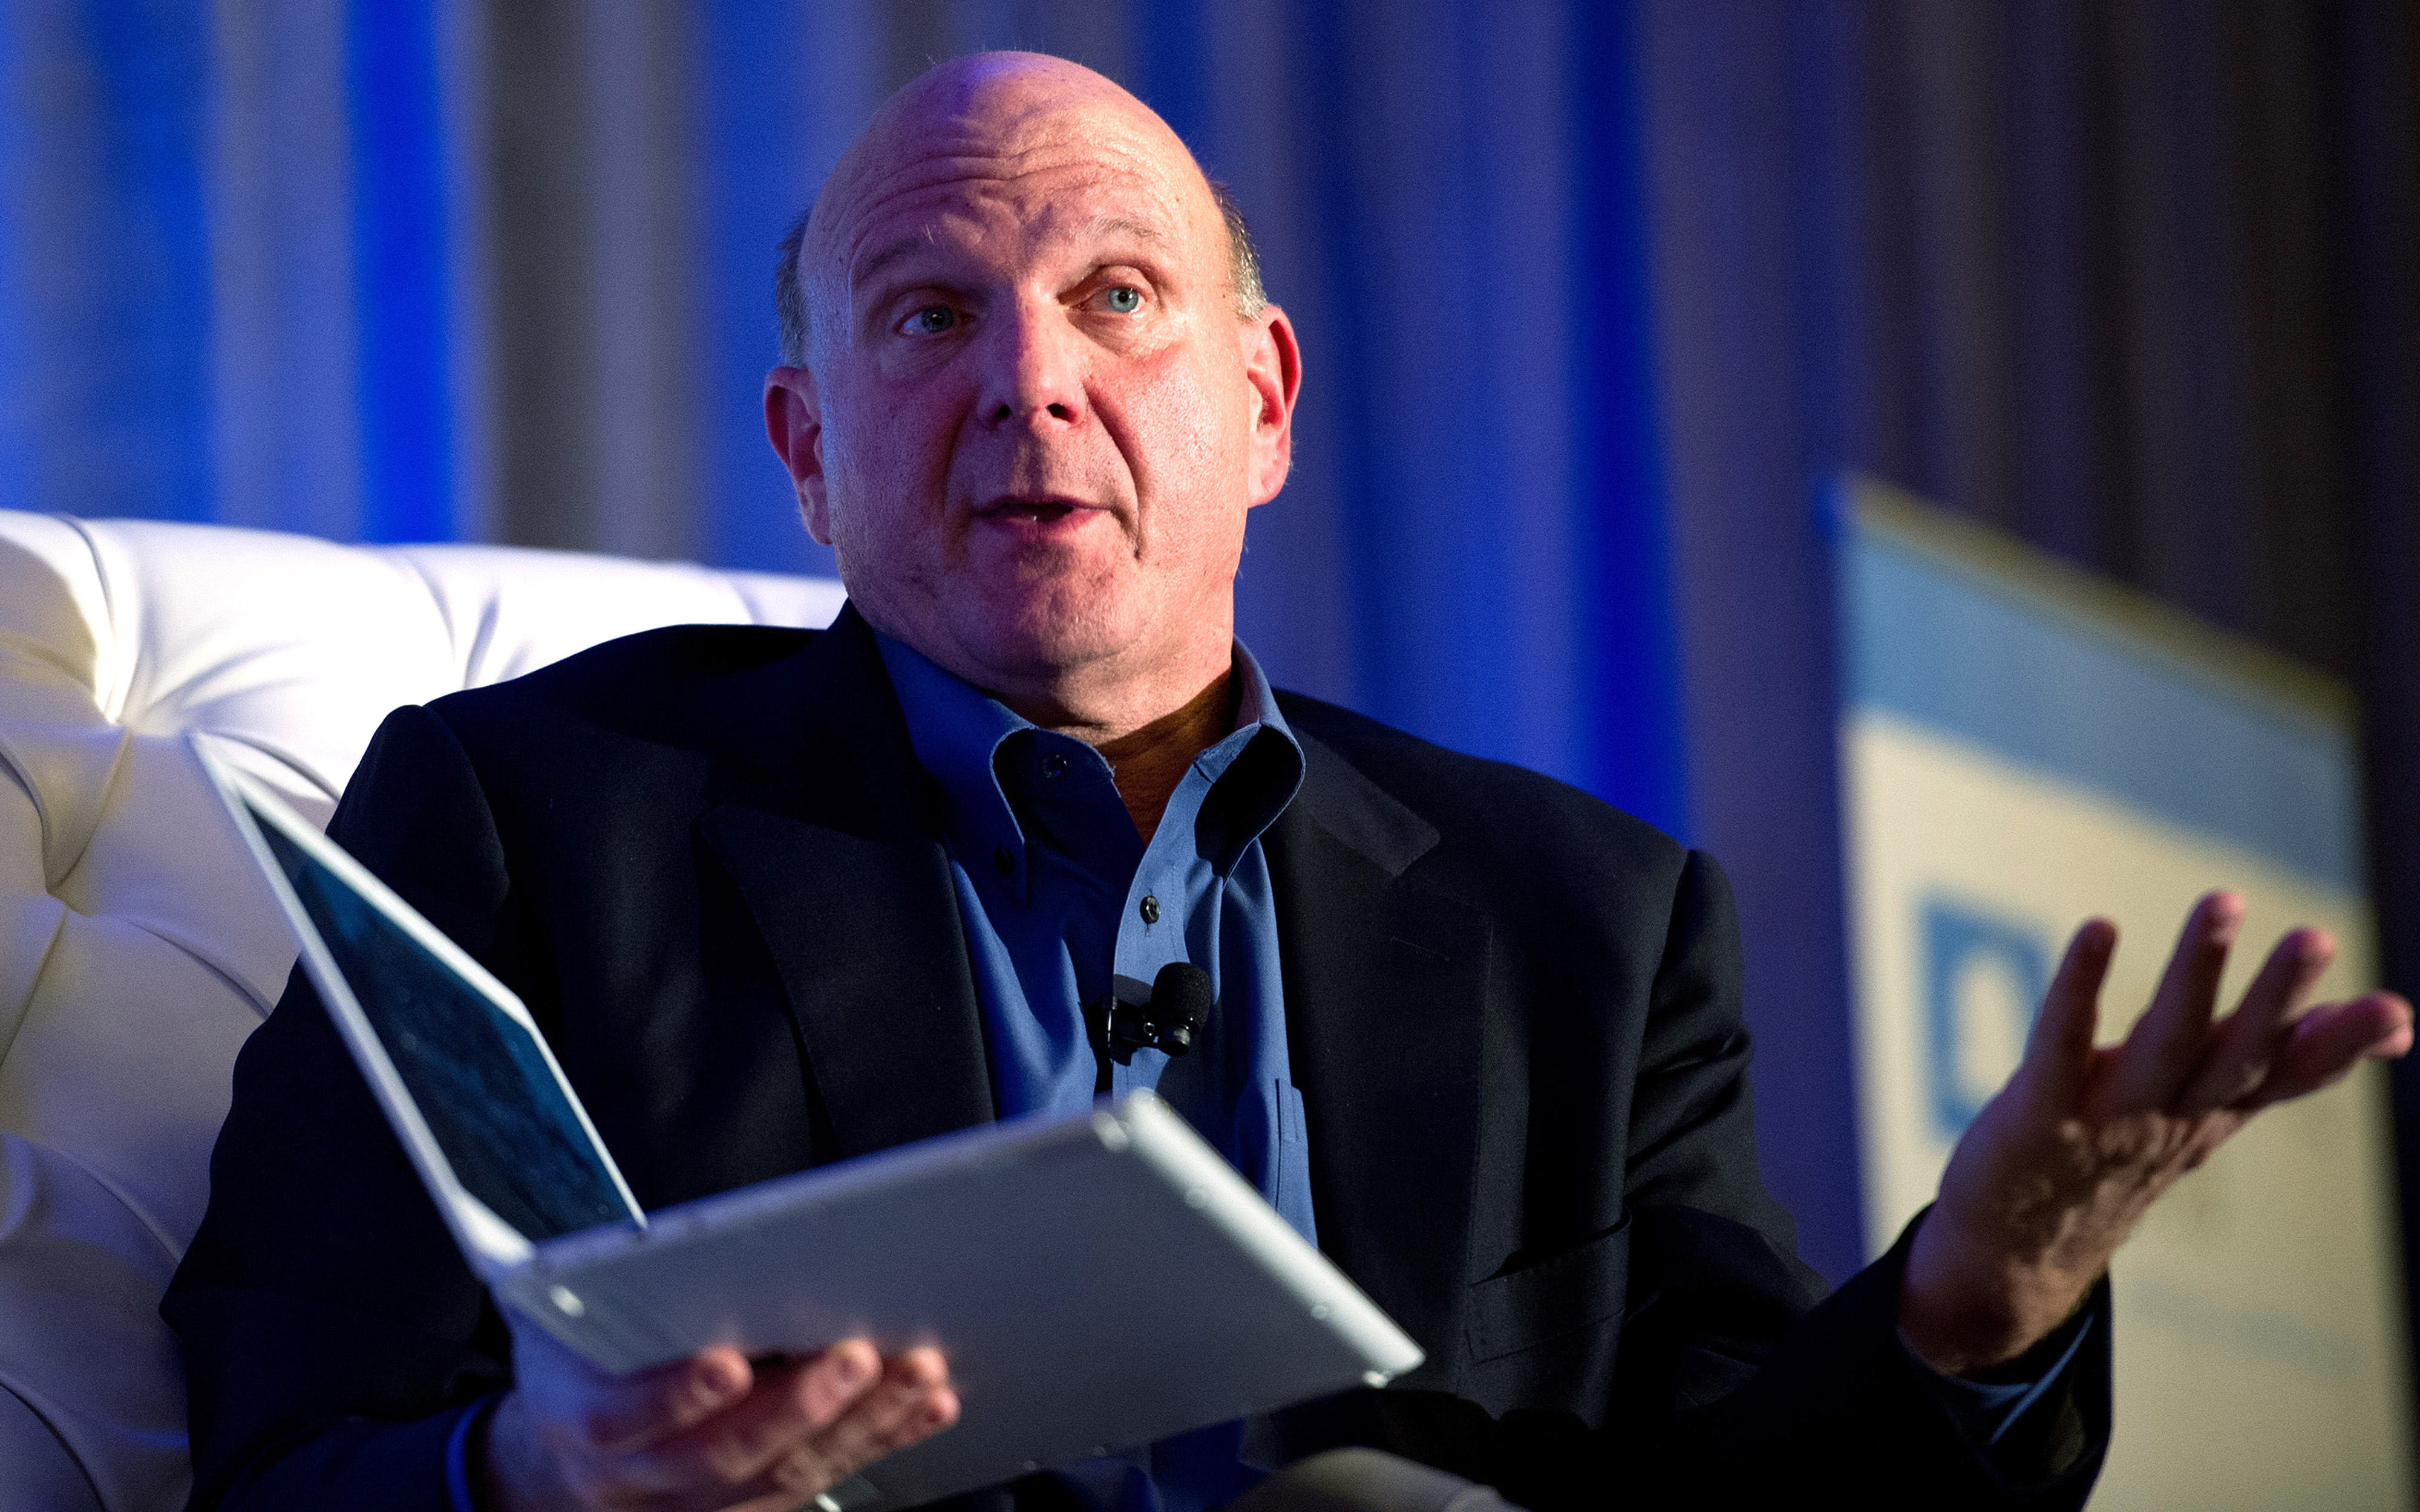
(780, 898)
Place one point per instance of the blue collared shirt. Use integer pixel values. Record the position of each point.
(1064, 904)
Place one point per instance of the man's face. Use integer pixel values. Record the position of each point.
(1036, 419)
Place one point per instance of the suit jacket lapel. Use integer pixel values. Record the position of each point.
(838, 851)
(1385, 990)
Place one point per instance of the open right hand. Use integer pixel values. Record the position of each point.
(703, 1434)
(2059, 1166)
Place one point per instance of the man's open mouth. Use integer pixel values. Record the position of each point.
(1042, 509)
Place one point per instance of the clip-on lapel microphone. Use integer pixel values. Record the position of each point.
(1167, 1022)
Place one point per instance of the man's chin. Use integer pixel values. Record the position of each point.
(1044, 639)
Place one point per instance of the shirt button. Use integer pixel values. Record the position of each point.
(1005, 862)
(1150, 909)
(1054, 765)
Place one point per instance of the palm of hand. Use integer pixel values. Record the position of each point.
(2058, 1167)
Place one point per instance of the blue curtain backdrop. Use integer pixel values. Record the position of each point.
(411, 271)
(1595, 294)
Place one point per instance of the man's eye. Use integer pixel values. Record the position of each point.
(1122, 299)
(932, 320)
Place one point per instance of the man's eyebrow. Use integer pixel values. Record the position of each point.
(1107, 225)
(1140, 230)
(887, 256)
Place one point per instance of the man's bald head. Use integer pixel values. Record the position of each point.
(1040, 397)
(978, 107)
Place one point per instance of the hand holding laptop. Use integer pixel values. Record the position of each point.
(710, 1431)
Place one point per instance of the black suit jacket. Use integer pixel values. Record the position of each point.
(707, 861)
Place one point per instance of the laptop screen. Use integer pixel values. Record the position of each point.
(487, 1094)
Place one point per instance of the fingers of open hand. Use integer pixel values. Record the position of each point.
(2242, 1045)
(608, 1415)
(911, 1402)
(2168, 1043)
(791, 1403)
(2321, 1046)
(2059, 1051)
(810, 1425)
(2050, 1177)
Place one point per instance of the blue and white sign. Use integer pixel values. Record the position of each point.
(2024, 748)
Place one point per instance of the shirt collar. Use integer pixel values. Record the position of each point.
(1253, 773)
(958, 730)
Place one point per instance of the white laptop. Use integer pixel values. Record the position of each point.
(1096, 1281)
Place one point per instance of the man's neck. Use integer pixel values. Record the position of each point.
(1150, 762)
(1108, 712)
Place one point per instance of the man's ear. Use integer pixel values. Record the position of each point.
(1273, 366)
(793, 420)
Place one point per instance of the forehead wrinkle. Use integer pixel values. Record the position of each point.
(999, 119)
(863, 268)
(1107, 225)
(887, 165)
(929, 170)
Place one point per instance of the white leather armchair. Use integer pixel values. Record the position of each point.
(138, 947)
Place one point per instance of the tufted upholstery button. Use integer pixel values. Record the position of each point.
(138, 948)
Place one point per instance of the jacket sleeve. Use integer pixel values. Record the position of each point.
(332, 1335)
(1736, 1385)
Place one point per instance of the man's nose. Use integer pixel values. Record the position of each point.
(1034, 372)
